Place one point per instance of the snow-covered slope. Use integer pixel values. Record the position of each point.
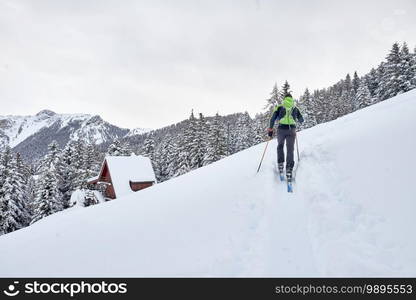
(352, 214)
(30, 135)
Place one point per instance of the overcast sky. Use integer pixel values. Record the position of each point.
(148, 63)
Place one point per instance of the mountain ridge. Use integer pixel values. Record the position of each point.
(29, 135)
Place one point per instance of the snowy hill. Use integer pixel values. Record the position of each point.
(30, 135)
(352, 213)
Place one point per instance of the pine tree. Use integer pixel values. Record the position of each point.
(307, 109)
(117, 148)
(48, 198)
(90, 165)
(274, 100)
(13, 212)
(182, 161)
(5, 158)
(198, 145)
(163, 159)
(188, 144)
(245, 133)
(414, 68)
(173, 159)
(69, 171)
(363, 97)
(217, 143)
(30, 196)
(285, 89)
(52, 157)
(407, 72)
(347, 97)
(148, 149)
(355, 82)
(259, 129)
(390, 76)
(372, 82)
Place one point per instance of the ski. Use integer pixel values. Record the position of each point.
(289, 187)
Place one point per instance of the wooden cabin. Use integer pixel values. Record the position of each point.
(123, 175)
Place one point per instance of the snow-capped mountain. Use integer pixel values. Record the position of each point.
(30, 135)
(351, 215)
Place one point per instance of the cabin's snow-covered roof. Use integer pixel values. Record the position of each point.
(124, 169)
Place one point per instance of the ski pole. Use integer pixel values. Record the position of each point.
(264, 152)
(297, 147)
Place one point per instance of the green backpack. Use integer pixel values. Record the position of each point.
(289, 105)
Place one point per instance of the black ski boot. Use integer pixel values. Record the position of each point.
(289, 180)
(280, 166)
(289, 174)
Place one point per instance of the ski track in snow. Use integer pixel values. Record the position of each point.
(338, 224)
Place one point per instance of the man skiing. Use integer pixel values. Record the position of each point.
(287, 114)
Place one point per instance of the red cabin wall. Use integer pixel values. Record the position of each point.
(109, 192)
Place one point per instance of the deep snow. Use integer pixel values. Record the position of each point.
(352, 213)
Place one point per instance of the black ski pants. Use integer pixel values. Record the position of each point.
(288, 135)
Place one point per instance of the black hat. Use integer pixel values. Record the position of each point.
(288, 94)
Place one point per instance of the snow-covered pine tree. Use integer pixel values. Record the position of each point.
(274, 100)
(363, 96)
(52, 157)
(190, 143)
(117, 148)
(13, 212)
(271, 103)
(182, 161)
(198, 145)
(69, 171)
(91, 162)
(148, 148)
(231, 136)
(372, 82)
(217, 143)
(307, 109)
(163, 157)
(414, 68)
(347, 97)
(259, 129)
(24, 172)
(389, 85)
(173, 159)
(48, 197)
(285, 89)
(5, 158)
(320, 106)
(407, 69)
(81, 175)
(355, 82)
(30, 196)
(245, 132)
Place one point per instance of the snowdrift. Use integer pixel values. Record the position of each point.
(352, 213)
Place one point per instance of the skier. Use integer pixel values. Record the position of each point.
(287, 115)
